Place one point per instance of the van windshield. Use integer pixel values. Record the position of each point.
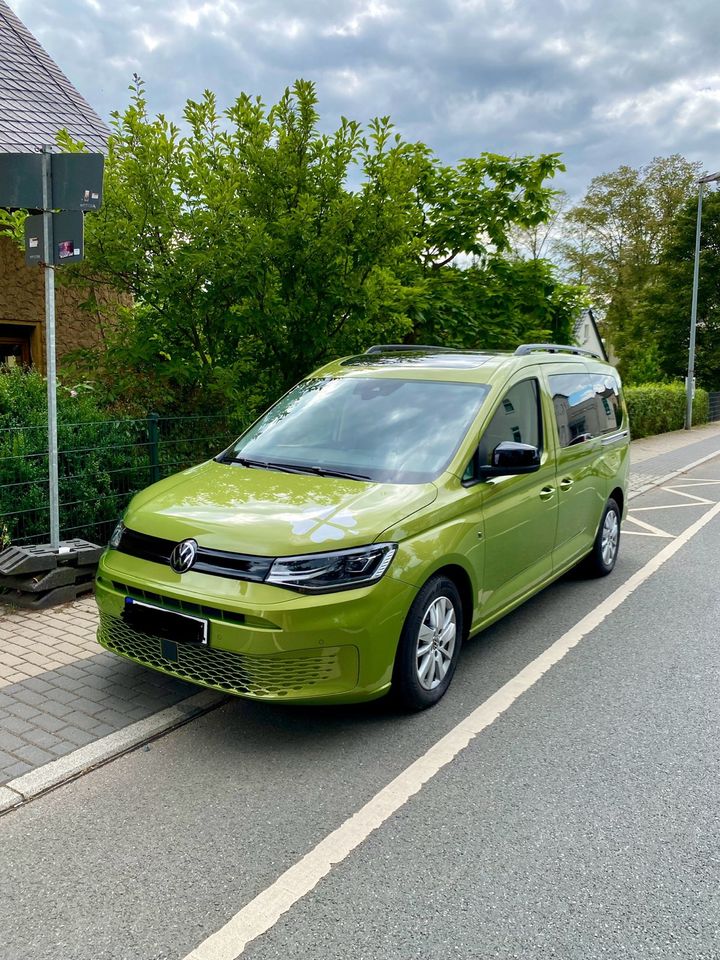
(381, 429)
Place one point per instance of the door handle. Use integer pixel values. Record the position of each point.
(546, 493)
(566, 483)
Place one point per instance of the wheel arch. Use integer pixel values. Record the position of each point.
(462, 581)
(618, 495)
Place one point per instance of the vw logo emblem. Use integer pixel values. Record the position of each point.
(183, 556)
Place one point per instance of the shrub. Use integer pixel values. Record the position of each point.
(101, 461)
(660, 407)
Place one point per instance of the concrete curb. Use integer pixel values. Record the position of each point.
(675, 473)
(57, 772)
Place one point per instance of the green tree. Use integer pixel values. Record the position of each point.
(613, 243)
(500, 305)
(666, 303)
(249, 258)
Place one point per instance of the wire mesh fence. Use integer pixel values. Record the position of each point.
(101, 465)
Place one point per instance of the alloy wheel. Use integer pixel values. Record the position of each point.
(435, 643)
(610, 535)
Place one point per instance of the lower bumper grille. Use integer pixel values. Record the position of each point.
(277, 676)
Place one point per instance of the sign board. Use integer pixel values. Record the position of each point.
(76, 181)
(66, 240)
(21, 181)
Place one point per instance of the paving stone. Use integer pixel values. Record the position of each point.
(59, 710)
(9, 742)
(5, 759)
(62, 748)
(40, 738)
(37, 684)
(49, 723)
(74, 671)
(33, 755)
(80, 705)
(23, 710)
(62, 696)
(118, 720)
(86, 692)
(102, 730)
(17, 769)
(76, 736)
(140, 712)
(65, 681)
(31, 697)
(16, 725)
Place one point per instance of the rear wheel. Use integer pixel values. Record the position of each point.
(601, 560)
(429, 645)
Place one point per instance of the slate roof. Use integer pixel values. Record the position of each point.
(36, 98)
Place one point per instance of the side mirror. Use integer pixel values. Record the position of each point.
(509, 458)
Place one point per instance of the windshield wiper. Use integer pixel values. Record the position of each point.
(319, 471)
(246, 462)
(294, 468)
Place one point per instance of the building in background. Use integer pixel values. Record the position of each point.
(588, 337)
(36, 101)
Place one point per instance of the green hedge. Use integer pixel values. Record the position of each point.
(660, 407)
(102, 461)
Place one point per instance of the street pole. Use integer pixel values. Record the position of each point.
(693, 314)
(49, 271)
(693, 310)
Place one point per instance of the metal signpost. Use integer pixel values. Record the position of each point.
(59, 187)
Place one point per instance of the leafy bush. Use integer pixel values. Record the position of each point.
(660, 407)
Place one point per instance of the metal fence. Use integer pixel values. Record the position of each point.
(714, 405)
(101, 466)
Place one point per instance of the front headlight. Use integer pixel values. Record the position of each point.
(116, 537)
(339, 570)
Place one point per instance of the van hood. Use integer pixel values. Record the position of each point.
(268, 513)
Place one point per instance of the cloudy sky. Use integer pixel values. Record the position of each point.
(602, 81)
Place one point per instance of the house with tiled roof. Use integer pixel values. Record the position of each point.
(36, 101)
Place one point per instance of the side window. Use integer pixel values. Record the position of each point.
(607, 396)
(517, 418)
(586, 406)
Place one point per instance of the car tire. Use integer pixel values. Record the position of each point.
(429, 646)
(603, 556)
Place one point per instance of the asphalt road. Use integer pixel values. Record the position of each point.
(583, 823)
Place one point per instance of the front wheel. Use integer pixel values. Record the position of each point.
(601, 560)
(429, 645)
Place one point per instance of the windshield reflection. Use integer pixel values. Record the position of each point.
(382, 429)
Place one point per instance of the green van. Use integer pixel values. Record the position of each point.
(382, 511)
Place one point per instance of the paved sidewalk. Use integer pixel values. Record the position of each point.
(59, 690)
(653, 458)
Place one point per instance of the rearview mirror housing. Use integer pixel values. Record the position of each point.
(510, 458)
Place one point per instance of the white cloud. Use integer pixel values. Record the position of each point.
(609, 83)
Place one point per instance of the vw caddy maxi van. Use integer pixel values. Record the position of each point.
(383, 510)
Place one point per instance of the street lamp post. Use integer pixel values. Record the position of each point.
(693, 310)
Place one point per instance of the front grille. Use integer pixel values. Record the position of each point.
(278, 675)
(186, 606)
(217, 563)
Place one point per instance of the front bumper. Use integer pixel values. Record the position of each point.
(265, 642)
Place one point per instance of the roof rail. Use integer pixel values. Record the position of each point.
(405, 348)
(554, 348)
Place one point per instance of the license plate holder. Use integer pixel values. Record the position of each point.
(165, 624)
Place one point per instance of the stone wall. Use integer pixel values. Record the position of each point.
(22, 300)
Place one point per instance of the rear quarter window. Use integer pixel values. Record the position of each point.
(586, 405)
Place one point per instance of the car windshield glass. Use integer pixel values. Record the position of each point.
(382, 429)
